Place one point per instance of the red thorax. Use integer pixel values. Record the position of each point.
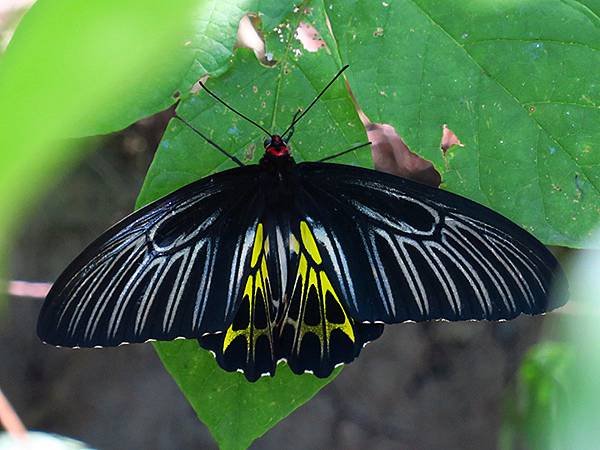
(276, 146)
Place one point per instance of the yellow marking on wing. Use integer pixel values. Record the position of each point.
(299, 283)
(294, 244)
(346, 327)
(312, 279)
(309, 242)
(231, 334)
(302, 273)
(265, 278)
(249, 287)
(259, 286)
(258, 244)
(326, 286)
(259, 281)
(306, 277)
(309, 279)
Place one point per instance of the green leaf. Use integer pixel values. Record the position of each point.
(516, 81)
(236, 411)
(119, 47)
(416, 65)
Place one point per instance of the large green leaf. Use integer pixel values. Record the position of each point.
(515, 80)
(236, 411)
(416, 65)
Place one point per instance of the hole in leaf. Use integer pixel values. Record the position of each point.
(309, 37)
(392, 155)
(579, 186)
(449, 139)
(378, 32)
(248, 36)
(249, 153)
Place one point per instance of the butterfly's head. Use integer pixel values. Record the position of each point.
(277, 146)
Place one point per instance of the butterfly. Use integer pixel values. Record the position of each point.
(295, 262)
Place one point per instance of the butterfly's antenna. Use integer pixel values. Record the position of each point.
(211, 142)
(297, 118)
(356, 147)
(290, 131)
(231, 108)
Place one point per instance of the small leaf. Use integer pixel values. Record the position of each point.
(542, 400)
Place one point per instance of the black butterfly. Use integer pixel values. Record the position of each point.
(296, 262)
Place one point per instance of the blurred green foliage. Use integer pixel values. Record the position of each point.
(536, 409)
(69, 70)
(555, 403)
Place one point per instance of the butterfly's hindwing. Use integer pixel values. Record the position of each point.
(248, 343)
(316, 332)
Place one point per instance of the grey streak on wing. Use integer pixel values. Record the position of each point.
(492, 273)
(108, 292)
(204, 287)
(110, 288)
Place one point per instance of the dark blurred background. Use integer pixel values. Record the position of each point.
(421, 386)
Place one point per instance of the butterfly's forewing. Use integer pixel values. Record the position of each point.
(165, 271)
(398, 250)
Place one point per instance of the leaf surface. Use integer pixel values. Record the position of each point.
(516, 81)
